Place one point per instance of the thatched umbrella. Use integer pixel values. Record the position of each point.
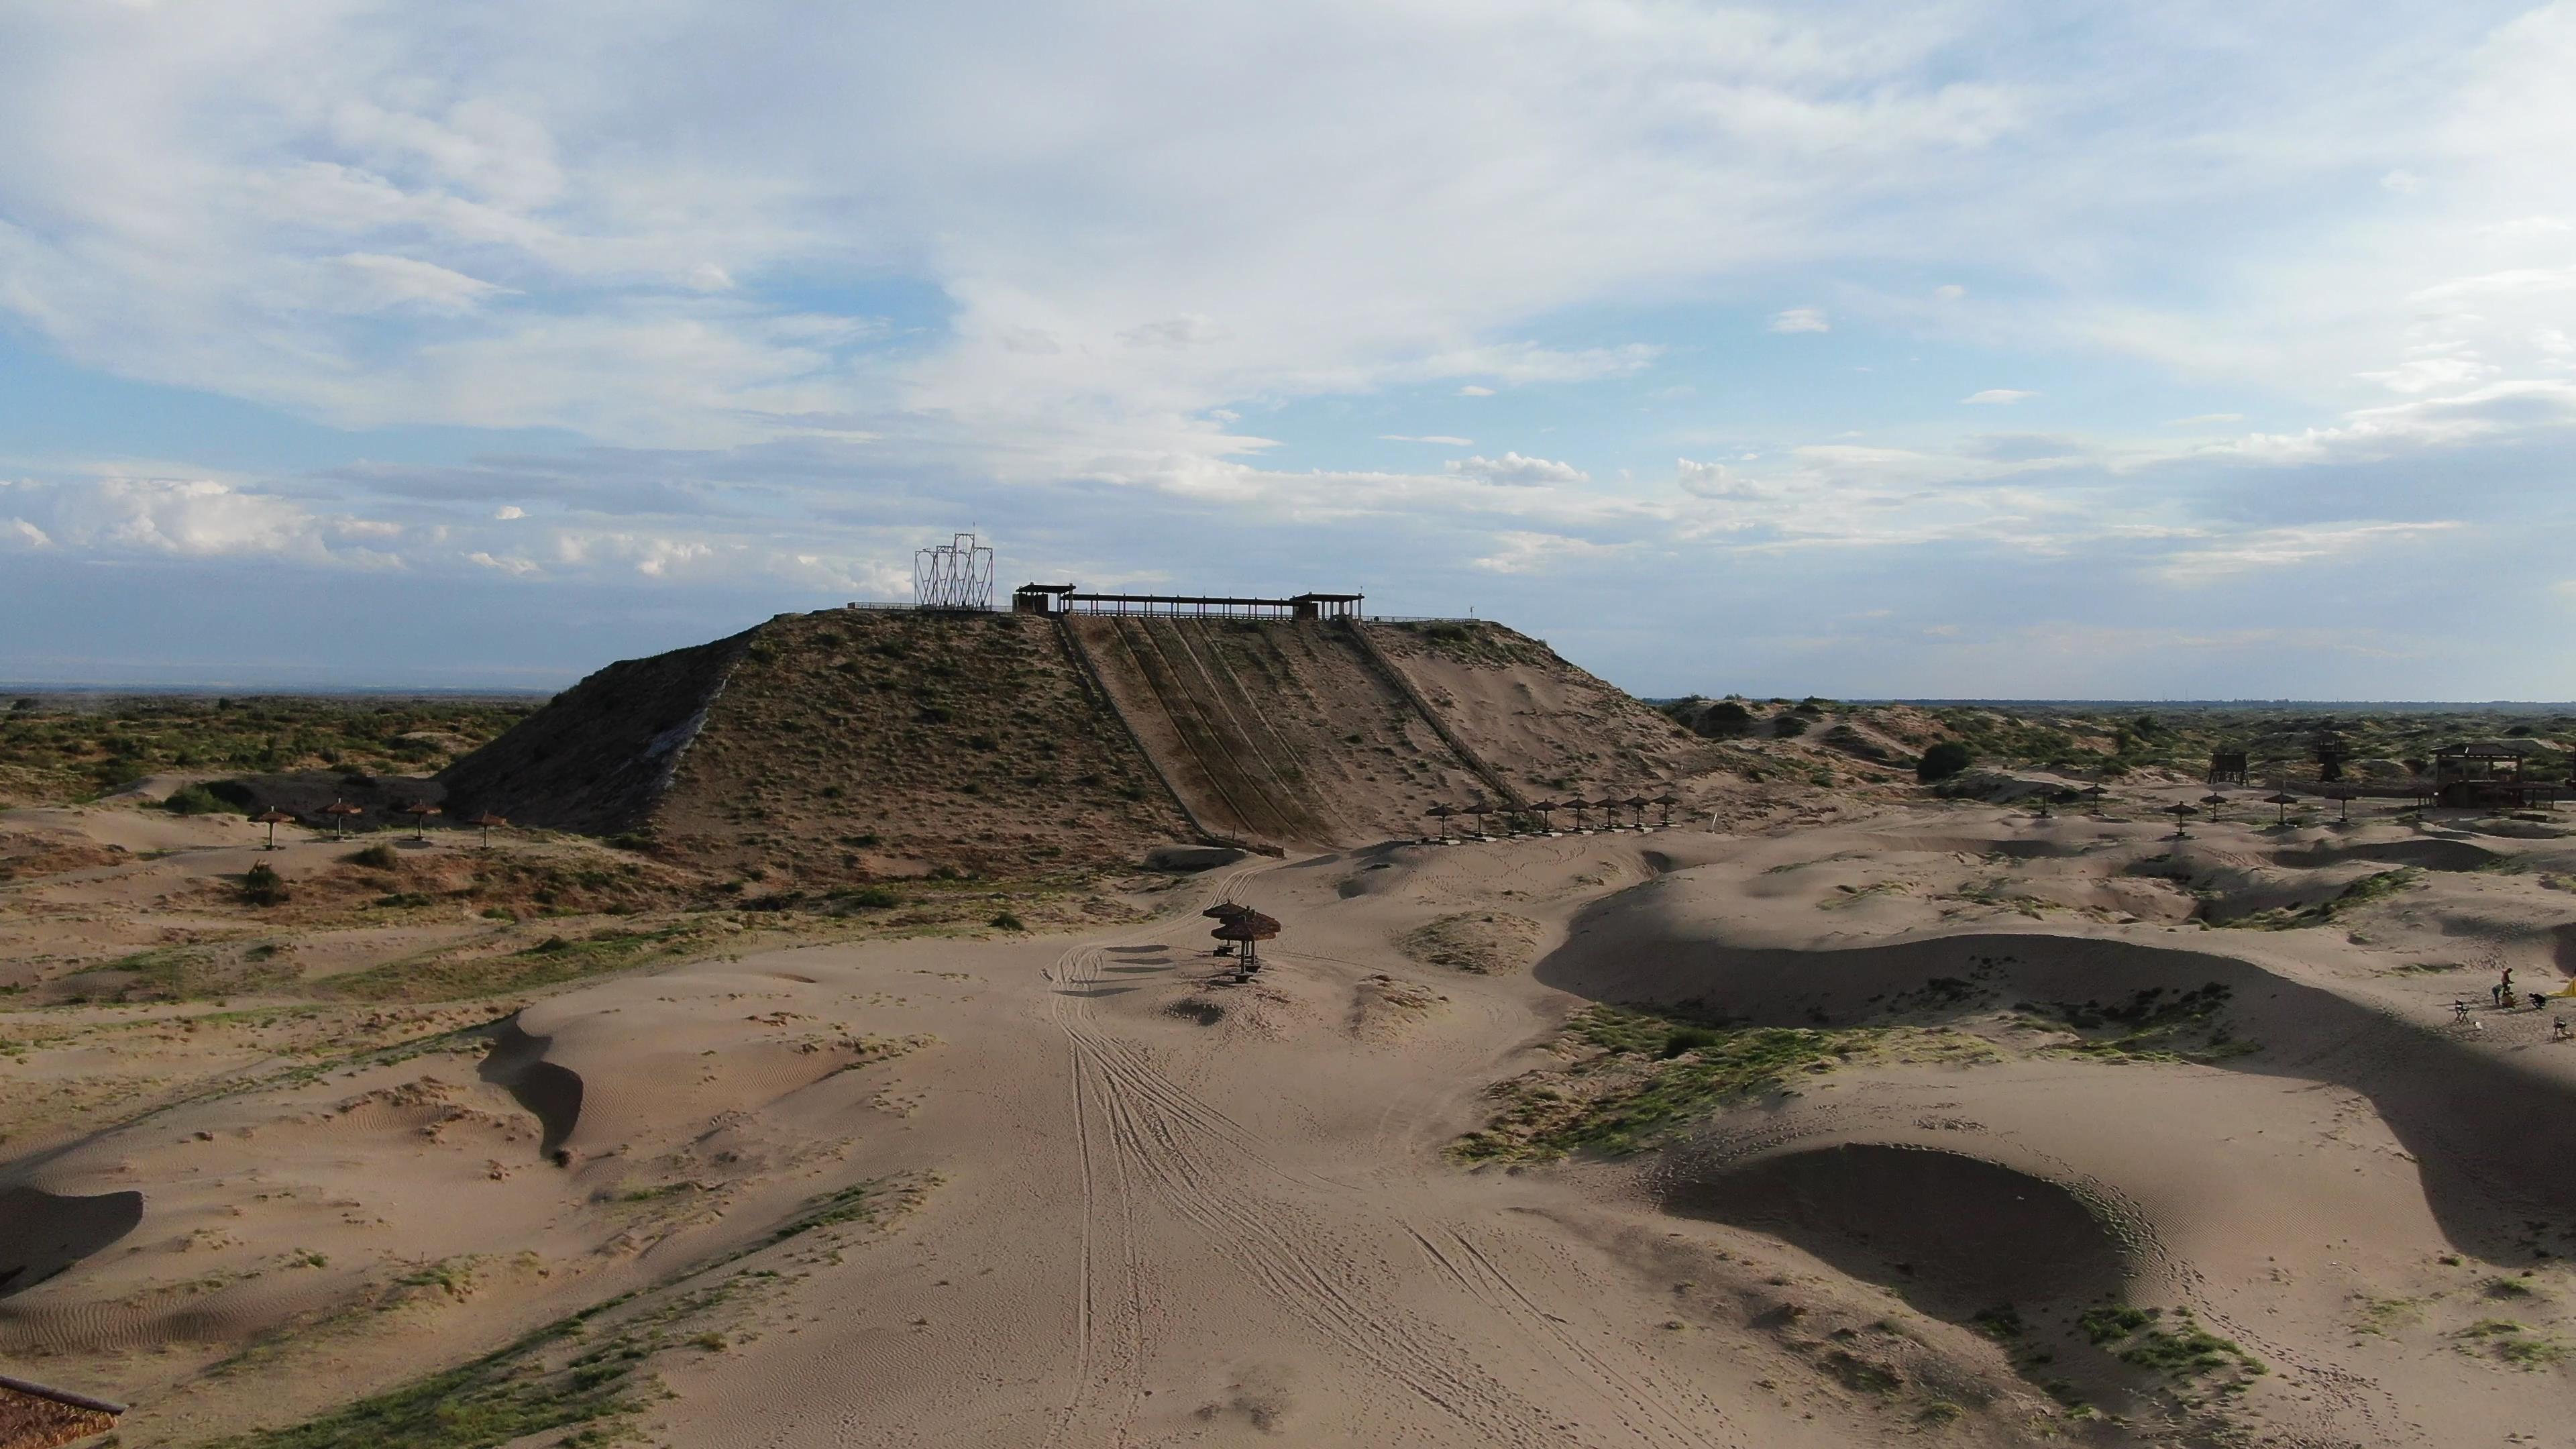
(1441, 813)
(1222, 912)
(2285, 800)
(1667, 800)
(2343, 795)
(1578, 805)
(1638, 804)
(340, 811)
(420, 811)
(272, 818)
(1249, 929)
(1480, 810)
(486, 821)
(2213, 800)
(2182, 814)
(1543, 809)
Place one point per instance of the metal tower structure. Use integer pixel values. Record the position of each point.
(957, 574)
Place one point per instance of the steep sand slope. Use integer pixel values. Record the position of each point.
(1544, 724)
(599, 757)
(1275, 731)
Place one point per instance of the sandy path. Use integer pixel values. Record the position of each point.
(1187, 1258)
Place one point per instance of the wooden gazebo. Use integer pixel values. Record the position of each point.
(2490, 774)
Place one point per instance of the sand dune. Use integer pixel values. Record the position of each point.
(2065, 1158)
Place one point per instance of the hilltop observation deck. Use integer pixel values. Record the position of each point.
(1060, 600)
(1070, 599)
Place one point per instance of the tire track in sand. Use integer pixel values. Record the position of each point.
(1273, 1224)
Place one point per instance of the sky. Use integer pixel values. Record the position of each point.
(2052, 349)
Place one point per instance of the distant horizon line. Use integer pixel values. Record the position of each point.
(283, 688)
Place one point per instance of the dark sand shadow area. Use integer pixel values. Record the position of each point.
(1953, 1235)
(549, 1091)
(42, 1233)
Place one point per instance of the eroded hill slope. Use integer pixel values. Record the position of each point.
(839, 744)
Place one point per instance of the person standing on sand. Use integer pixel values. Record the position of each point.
(2507, 983)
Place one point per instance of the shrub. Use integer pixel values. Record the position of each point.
(1942, 761)
(1725, 720)
(374, 857)
(262, 886)
(194, 800)
(1006, 921)
(873, 898)
(1788, 726)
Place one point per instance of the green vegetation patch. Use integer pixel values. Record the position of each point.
(74, 750)
(2152, 1025)
(2363, 892)
(585, 1374)
(2174, 1345)
(556, 959)
(2515, 1343)
(1634, 1077)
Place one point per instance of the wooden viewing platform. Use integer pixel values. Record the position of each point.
(1069, 599)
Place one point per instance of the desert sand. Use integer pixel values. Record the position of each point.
(1084, 1187)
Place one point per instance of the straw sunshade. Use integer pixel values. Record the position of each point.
(420, 811)
(272, 819)
(340, 811)
(2285, 800)
(1249, 928)
(1667, 801)
(2213, 800)
(487, 822)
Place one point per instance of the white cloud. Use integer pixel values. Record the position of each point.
(1472, 390)
(1710, 480)
(1950, 292)
(1801, 319)
(370, 282)
(1188, 330)
(2276, 548)
(2004, 395)
(1446, 442)
(508, 511)
(1514, 471)
(1524, 552)
(2402, 181)
(515, 566)
(2432, 374)
(2197, 419)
